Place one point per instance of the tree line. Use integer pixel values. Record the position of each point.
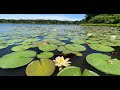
(38, 21)
(101, 19)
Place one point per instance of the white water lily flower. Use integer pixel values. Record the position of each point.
(54, 29)
(60, 61)
(113, 37)
(89, 34)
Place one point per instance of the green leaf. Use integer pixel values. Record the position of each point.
(89, 73)
(100, 47)
(20, 48)
(78, 54)
(70, 71)
(61, 48)
(104, 63)
(3, 46)
(17, 59)
(48, 47)
(75, 47)
(43, 67)
(78, 41)
(45, 55)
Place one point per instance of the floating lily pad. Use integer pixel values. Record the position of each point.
(75, 47)
(17, 59)
(20, 48)
(78, 41)
(70, 71)
(43, 67)
(89, 73)
(32, 40)
(62, 38)
(100, 47)
(61, 48)
(78, 54)
(68, 52)
(92, 41)
(104, 63)
(48, 47)
(45, 55)
(2, 47)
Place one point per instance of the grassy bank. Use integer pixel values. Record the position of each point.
(111, 25)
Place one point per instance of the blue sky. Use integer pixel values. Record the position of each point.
(72, 17)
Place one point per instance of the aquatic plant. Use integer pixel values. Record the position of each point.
(75, 47)
(48, 47)
(61, 62)
(45, 55)
(43, 67)
(100, 47)
(104, 63)
(17, 59)
(76, 71)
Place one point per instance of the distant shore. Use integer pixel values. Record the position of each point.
(112, 25)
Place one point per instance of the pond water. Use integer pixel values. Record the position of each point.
(33, 35)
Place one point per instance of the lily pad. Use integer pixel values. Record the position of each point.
(43, 67)
(75, 47)
(62, 38)
(104, 63)
(20, 48)
(45, 55)
(3, 46)
(78, 54)
(78, 41)
(70, 71)
(48, 47)
(61, 48)
(17, 59)
(89, 73)
(100, 47)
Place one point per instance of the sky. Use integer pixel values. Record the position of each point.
(71, 17)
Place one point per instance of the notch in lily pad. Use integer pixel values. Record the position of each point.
(104, 63)
(45, 55)
(43, 67)
(48, 47)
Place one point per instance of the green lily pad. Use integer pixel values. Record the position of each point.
(78, 41)
(61, 48)
(48, 47)
(89, 73)
(70, 71)
(17, 59)
(20, 48)
(78, 54)
(62, 38)
(43, 67)
(100, 47)
(104, 63)
(45, 55)
(92, 41)
(4, 46)
(75, 47)
(31, 40)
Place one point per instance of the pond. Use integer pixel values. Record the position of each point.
(95, 49)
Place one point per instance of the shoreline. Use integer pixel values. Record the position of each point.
(111, 25)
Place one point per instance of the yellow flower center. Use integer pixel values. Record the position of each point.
(60, 60)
